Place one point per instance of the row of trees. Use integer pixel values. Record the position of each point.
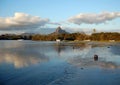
(72, 36)
(44, 37)
(14, 37)
(103, 36)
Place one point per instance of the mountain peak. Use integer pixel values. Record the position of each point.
(59, 30)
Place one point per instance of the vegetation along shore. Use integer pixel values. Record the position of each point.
(63, 35)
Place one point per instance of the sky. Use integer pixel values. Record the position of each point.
(42, 16)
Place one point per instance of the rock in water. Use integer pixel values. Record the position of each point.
(95, 57)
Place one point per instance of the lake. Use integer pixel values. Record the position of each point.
(51, 63)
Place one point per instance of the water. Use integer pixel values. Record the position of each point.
(51, 63)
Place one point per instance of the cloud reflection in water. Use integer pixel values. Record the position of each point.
(21, 61)
(21, 55)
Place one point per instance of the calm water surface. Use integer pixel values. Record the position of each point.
(50, 63)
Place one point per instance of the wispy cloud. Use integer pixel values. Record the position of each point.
(22, 21)
(92, 18)
(54, 23)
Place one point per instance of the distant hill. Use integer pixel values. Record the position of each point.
(59, 30)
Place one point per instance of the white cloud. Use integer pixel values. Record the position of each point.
(22, 21)
(92, 18)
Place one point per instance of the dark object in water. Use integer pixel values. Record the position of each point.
(95, 57)
(108, 47)
(82, 68)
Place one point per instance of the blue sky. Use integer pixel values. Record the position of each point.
(61, 12)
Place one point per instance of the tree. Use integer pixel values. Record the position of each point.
(94, 30)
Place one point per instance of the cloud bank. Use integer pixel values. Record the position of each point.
(22, 21)
(91, 18)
